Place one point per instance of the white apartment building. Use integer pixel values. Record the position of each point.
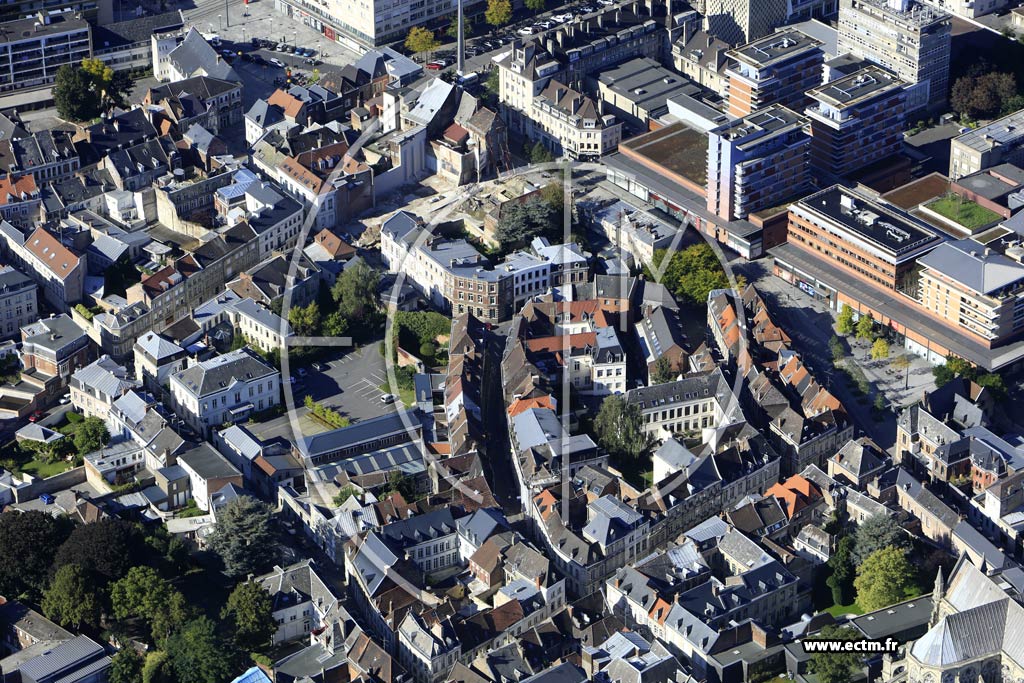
(224, 389)
(95, 387)
(686, 406)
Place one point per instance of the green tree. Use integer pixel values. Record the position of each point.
(519, 223)
(143, 594)
(71, 598)
(844, 321)
(243, 537)
(499, 12)
(943, 375)
(883, 579)
(30, 540)
(427, 350)
(865, 326)
(356, 291)
(91, 435)
(619, 428)
(662, 371)
(880, 349)
(106, 549)
(400, 484)
(835, 667)
(305, 320)
(537, 152)
(993, 381)
(98, 71)
(535, 5)
(157, 668)
(877, 532)
(126, 666)
(344, 494)
(691, 274)
(421, 40)
(453, 27)
(900, 363)
(197, 655)
(554, 194)
(335, 325)
(982, 95)
(75, 94)
(843, 572)
(838, 351)
(250, 613)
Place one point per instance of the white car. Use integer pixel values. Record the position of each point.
(276, 62)
(388, 399)
(525, 31)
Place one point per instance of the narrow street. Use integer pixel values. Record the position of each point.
(497, 456)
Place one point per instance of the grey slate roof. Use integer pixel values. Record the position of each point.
(419, 528)
(219, 373)
(194, 54)
(157, 347)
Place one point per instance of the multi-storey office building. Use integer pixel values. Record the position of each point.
(860, 236)
(777, 68)
(33, 49)
(909, 38)
(19, 304)
(856, 120)
(1000, 142)
(757, 162)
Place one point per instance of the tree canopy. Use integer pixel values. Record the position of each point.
(865, 326)
(197, 655)
(843, 572)
(877, 532)
(104, 549)
(982, 96)
(662, 371)
(91, 435)
(421, 40)
(691, 274)
(835, 667)
(356, 291)
(880, 349)
(30, 540)
(126, 666)
(499, 12)
(520, 222)
(71, 598)
(75, 94)
(304, 320)
(883, 579)
(250, 615)
(844, 321)
(143, 594)
(243, 537)
(619, 428)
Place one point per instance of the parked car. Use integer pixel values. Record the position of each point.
(64, 400)
(544, 24)
(302, 372)
(276, 62)
(388, 399)
(435, 66)
(526, 31)
(319, 367)
(36, 416)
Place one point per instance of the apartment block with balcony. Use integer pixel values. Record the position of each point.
(777, 68)
(34, 48)
(757, 162)
(909, 38)
(856, 120)
(975, 288)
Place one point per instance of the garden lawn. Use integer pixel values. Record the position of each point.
(45, 469)
(965, 212)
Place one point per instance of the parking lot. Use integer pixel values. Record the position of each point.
(349, 384)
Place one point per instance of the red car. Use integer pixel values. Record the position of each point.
(35, 416)
(435, 66)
